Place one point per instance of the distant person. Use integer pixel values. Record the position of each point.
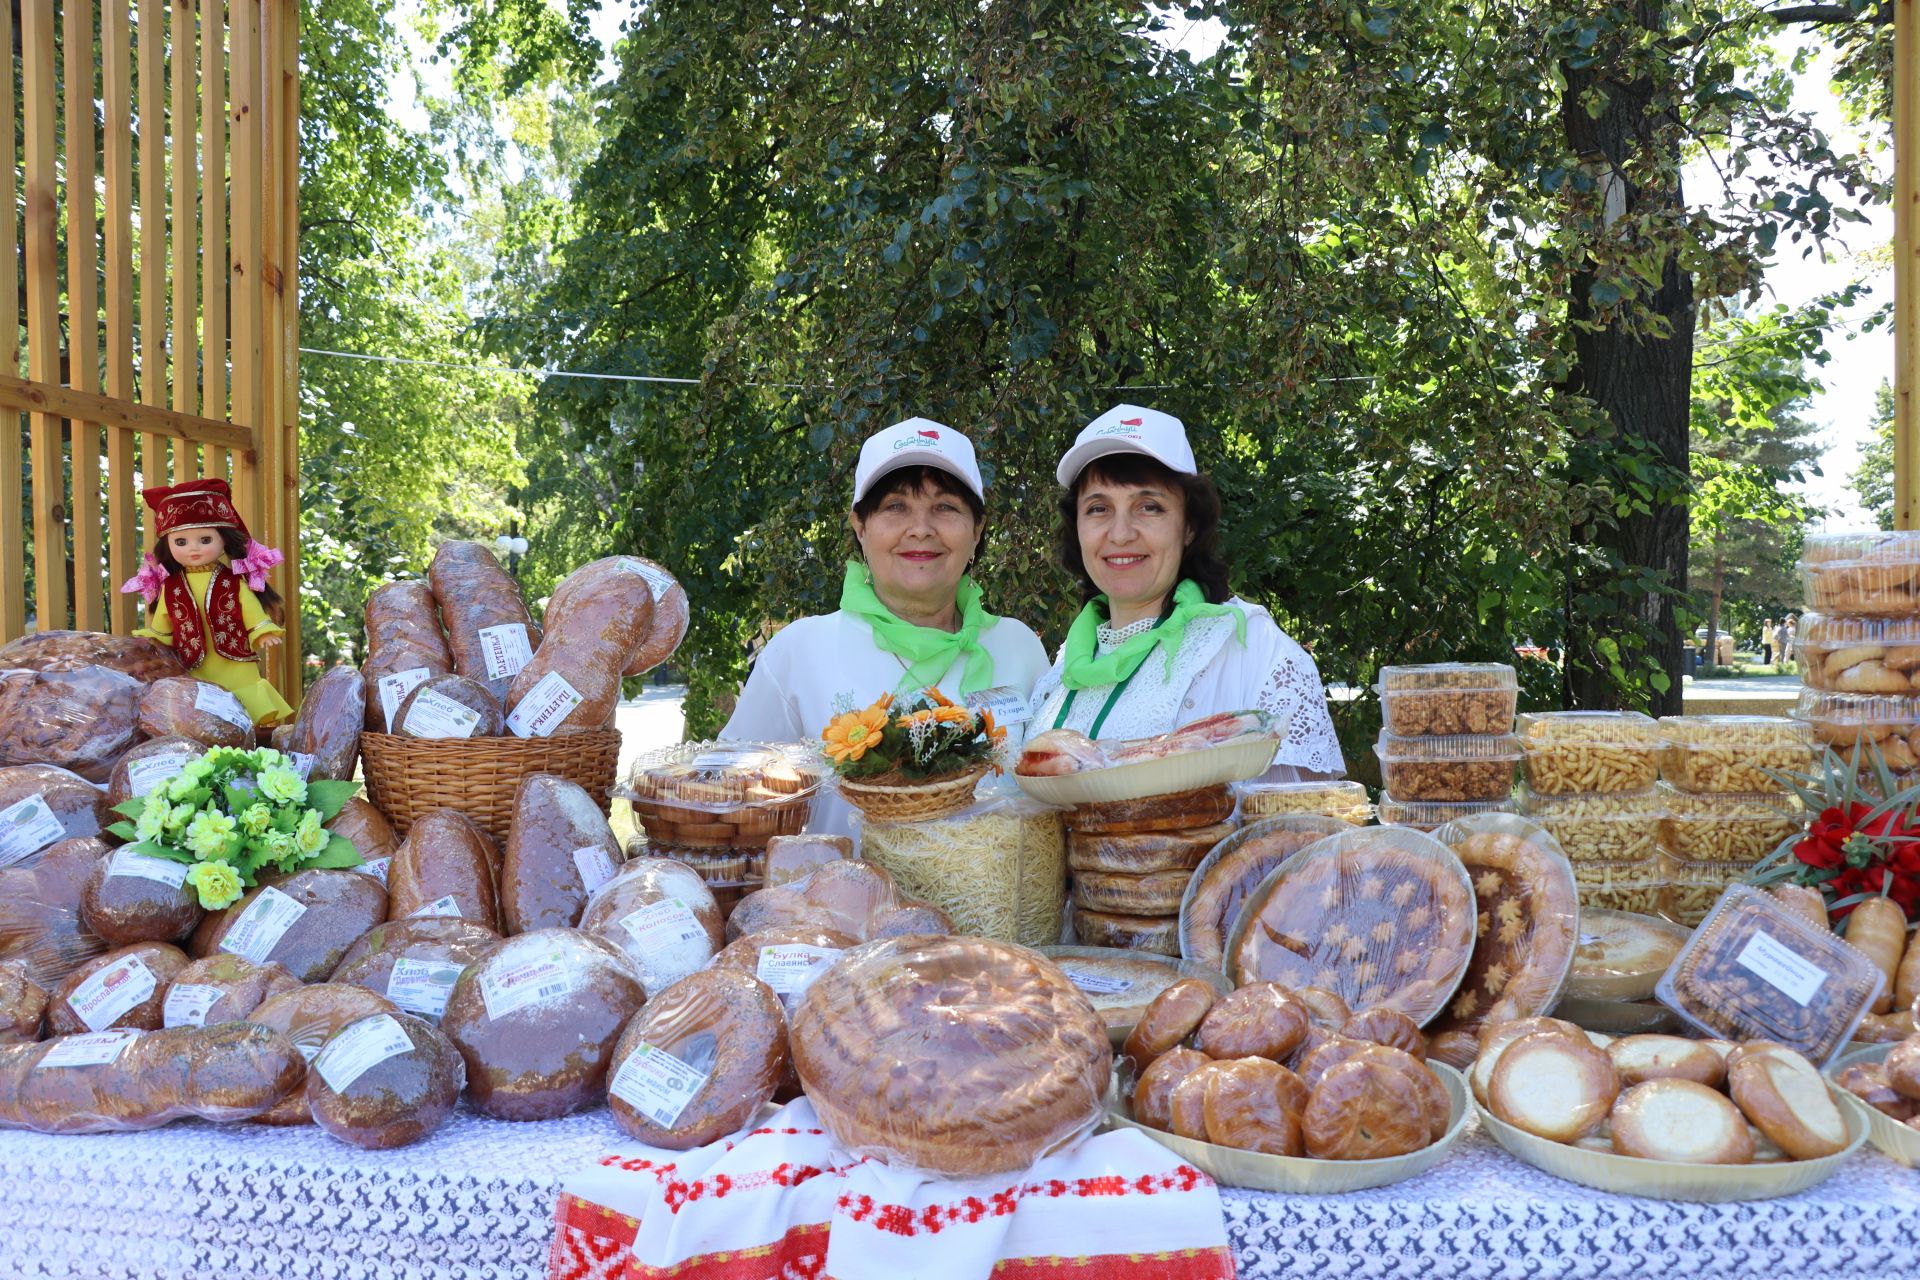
(1783, 639)
(1766, 643)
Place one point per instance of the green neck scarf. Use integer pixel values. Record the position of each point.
(927, 651)
(1084, 666)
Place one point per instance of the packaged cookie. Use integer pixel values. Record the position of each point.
(1857, 724)
(1346, 801)
(725, 795)
(1447, 698)
(1727, 828)
(1861, 573)
(1425, 815)
(1638, 886)
(1612, 827)
(1859, 655)
(1451, 769)
(1584, 752)
(1692, 888)
(1754, 970)
(1733, 753)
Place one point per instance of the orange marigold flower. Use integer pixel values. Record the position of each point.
(850, 736)
(996, 734)
(938, 698)
(951, 714)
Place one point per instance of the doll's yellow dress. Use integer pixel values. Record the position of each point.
(242, 679)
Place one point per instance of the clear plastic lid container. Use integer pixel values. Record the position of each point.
(1728, 828)
(1344, 800)
(1446, 698)
(1622, 954)
(1733, 753)
(1636, 886)
(723, 794)
(1455, 768)
(1864, 723)
(1861, 573)
(1859, 654)
(1754, 970)
(1581, 752)
(1602, 827)
(1425, 815)
(1694, 887)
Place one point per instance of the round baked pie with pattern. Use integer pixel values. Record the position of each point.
(1226, 876)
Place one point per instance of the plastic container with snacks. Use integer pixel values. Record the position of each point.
(1453, 769)
(1639, 887)
(1693, 887)
(1874, 573)
(1727, 828)
(1618, 827)
(1346, 801)
(1580, 752)
(998, 867)
(1754, 970)
(1425, 815)
(1448, 698)
(725, 795)
(1845, 721)
(1722, 754)
(1859, 655)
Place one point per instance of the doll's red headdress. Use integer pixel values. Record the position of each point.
(194, 504)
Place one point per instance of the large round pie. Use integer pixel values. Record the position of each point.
(1528, 922)
(1225, 877)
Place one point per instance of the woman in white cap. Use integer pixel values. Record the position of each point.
(909, 615)
(1161, 640)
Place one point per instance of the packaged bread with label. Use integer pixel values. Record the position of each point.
(1584, 752)
(698, 1061)
(143, 659)
(729, 795)
(445, 867)
(328, 726)
(1452, 770)
(1178, 811)
(790, 857)
(133, 897)
(221, 988)
(1851, 654)
(1724, 754)
(1446, 698)
(1754, 970)
(1622, 954)
(537, 1019)
(450, 706)
(661, 915)
(1146, 852)
(305, 921)
(843, 896)
(40, 910)
(1610, 827)
(572, 685)
(488, 630)
(786, 957)
(308, 1016)
(123, 988)
(23, 1004)
(1381, 915)
(1425, 815)
(957, 1056)
(1157, 934)
(152, 764)
(41, 805)
(1870, 573)
(198, 709)
(385, 1081)
(1228, 875)
(668, 615)
(560, 849)
(415, 963)
(1728, 828)
(405, 645)
(1346, 801)
(115, 1081)
(998, 869)
(373, 837)
(82, 720)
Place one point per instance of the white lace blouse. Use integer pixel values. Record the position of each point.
(1212, 673)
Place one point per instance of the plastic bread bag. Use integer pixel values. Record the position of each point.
(1058, 752)
(560, 849)
(143, 659)
(842, 896)
(134, 897)
(386, 1081)
(732, 795)
(666, 609)
(1228, 875)
(1344, 800)
(661, 915)
(118, 1081)
(957, 1056)
(698, 1061)
(221, 988)
(23, 1004)
(308, 1016)
(488, 630)
(1528, 925)
(326, 733)
(153, 763)
(790, 857)
(124, 989)
(404, 646)
(82, 720)
(998, 868)
(372, 835)
(41, 805)
(182, 706)
(1382, 916)
(415, 963)
(40, 910)
(450, 706)
(447, 866)
(305, 921)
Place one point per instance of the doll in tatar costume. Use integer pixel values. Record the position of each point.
(214, 614)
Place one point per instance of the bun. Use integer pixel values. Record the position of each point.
(560, 850)
(181, 706)
(1867, 1081)
(131, 897)
(1229, 876)
(385, 1081)
(133, 777)
(1169, 1019)
(449, 706)
(444, 867)
(1675, 1119)
(1456, 1048)
(1259, 1020)
(415, 963)
(83, 719)
(1187, 1104)
(1903, 1068)
(721, 1036)
(1360, 1111)
(1158, 934)
(488, 631)
(1153, 1094)
(1180, 811)
(598, 619)
(1389, 1027)
(1146, 853)
(222, 988)
(1154, 894)
(1787, 1100)
(124, 988)
(336, 907)
(404, 646)
(332, 714)
(1651, 1057)
(1553, 1086)
(1256, 1105)
(137, 656)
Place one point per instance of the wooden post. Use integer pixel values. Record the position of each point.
(1906, 273)
(186, 221)
(213, 222)
(43, 311)
(154, 466)
(283, 144)
(246, 310)
(83, 311)
(123, 504)
(13, 575)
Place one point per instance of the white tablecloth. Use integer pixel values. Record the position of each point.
(476, 1202)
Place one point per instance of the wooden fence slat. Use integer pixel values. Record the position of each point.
(155, 467)
(59, 401)
(287, 149)
(246, 310)
(13, 518)
(183, 67)
(123, 504)
(43, 310)
(213, 216)
(83, 311)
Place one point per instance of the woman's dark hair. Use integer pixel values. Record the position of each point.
(1201, 561)
(234, 543)
(916, 480)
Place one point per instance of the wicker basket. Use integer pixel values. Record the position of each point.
(408, 777)
(912, 801)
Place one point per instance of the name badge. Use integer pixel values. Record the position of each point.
(1008, 704)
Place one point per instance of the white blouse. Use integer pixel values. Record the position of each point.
(1213, 673)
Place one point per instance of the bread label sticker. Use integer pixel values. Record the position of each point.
(444, 905)
(421, 986)
(217, 702)
(505, 649)
(1008, 704)
(657, 1085)
(261, 926)
(435, 715)
(659, 581)
(187, 1004)
(547, 976)
(303, 763)
(146, 774)
(1095, 984)
(96, 1050)
(357, 1049)
(103, 998)
(26, 827)
(662, 925)
(164, 871)
(545, 707)
(791, 969)
(596, 867)
(376, 868)
(395, 688)
(1782, 968)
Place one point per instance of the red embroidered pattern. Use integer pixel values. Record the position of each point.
(900, 1220)
(229, 630)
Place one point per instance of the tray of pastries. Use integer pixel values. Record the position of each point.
(1882, 1082)
(1120, 984)
(722, 795)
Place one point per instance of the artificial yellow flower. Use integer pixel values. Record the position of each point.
(950, 714)
(938, 698)
(850, 736)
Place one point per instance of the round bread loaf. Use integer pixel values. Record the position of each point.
(1155, 894)
(1137, 855)
(146, 766)
(1153, 1092)
(185, 707)
(121, 989)
(1180, 811)
(415, 963)
(662, 915)
(40, 910)
(744, 954)
(959, 1056)
(308, 1016)
(222, 988)
(698, 1061)
(83, 719)
(445, 867)
(23, 1004)
(385, 1081)
(336, 907)
(1229, 874)
(559, 851)
(1158, 934)
(131, 897)
(449, 706)
(908, 919)
(537, 1019)
(843, 896)
(137, 656)
(76, 804)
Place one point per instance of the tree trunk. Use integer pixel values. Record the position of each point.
(1643, 385)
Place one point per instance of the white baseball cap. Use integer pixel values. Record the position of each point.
(917, 442)
(1128, 428)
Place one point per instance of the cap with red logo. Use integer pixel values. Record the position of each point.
(917, 442)
(1128, 428)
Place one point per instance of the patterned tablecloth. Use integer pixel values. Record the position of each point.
(476, 1202)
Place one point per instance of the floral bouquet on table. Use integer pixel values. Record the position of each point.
(231, 815)
(912, 760)
(1863, 842)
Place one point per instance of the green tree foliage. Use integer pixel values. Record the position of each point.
(1873, 479)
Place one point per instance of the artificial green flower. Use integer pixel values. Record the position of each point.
(178, 819)
(282, 785)
(256, 819)
(282, 850)
(197, 769)
(207, 834)
(180, 786)
(311, 837)
(217, 883)
(152, 820)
